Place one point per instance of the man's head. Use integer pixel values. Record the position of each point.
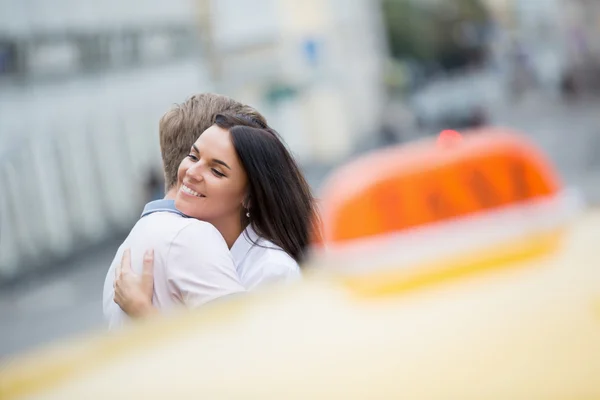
(182, 125)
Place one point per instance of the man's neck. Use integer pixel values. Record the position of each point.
(171, 194)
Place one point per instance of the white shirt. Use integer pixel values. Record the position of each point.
(192, 264)
(259, 261)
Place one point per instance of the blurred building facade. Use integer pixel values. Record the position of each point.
(555, 38)
(314, 67)
(82, 86)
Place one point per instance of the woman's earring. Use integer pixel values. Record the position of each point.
(248, 214)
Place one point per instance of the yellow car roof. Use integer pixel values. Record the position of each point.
(529, 330)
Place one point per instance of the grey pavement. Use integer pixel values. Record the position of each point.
(68, 301)
(61, 302)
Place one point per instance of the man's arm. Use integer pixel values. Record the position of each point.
(200, 267)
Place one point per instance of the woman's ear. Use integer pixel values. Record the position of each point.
(247, 203)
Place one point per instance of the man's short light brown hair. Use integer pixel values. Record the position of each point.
(182, 125)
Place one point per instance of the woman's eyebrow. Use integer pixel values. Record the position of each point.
(221, 162)
(215, 160)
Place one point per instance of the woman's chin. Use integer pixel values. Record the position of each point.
(184, 206)
(188, 207)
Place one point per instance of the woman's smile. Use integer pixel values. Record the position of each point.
(189, 191)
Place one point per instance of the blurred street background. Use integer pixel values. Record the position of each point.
(83, 85)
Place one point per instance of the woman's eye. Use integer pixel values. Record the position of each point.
(218, 173)
(192, 157)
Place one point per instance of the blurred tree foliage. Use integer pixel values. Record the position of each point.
(449, 33)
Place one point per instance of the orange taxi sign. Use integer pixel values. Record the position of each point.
(421, 183)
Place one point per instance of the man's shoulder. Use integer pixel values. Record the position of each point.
(168, 226)
(168, 222)
(200, 232)
(156, 229)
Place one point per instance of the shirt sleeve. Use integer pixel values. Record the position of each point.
(200, 267)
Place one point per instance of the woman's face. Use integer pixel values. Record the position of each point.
(211, 180)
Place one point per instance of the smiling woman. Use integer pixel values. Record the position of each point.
(212, 183)
(229, 180)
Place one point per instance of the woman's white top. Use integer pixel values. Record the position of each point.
(259, 261)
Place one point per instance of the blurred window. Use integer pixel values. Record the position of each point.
(124, 50)
(244, 23)
(8, 57)
(51, 55)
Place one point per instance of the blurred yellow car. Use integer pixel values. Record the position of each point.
(456, 269)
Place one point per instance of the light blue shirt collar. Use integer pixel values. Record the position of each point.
(162, 205)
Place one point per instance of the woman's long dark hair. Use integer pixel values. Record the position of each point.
(280, 203)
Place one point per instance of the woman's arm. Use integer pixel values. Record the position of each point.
(133, 293)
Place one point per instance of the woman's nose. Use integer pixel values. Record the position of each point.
(195, 172)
